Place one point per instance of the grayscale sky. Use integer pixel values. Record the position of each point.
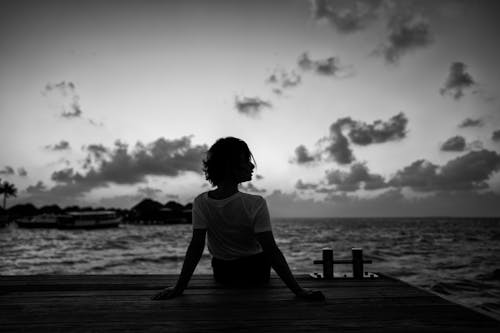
(351, 108)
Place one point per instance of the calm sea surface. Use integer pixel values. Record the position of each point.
(457, 258)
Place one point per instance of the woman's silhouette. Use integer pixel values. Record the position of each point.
(238, 226)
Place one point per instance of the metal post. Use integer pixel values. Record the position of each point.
(357, 263)
(327, 263)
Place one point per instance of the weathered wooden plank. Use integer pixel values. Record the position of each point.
(366, 292)
(129, 311)
(144, 305)
(117, 282)
(254, 294)
(368, 312)
(291, 317)
(150, 278)
(117, 303)
(250, 326)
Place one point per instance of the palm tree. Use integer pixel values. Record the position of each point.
(8, 190)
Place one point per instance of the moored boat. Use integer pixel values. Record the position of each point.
(90, 220)
(41, 221)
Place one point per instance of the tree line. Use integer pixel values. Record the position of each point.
(146, 209)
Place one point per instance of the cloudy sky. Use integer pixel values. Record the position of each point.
(351, 108)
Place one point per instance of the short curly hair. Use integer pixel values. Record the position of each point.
(224, 155)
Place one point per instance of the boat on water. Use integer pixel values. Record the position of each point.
(90, 220)
(42, 221)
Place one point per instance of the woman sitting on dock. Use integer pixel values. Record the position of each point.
(238, 225)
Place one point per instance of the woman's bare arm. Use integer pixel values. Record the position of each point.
(193, 256)
(279, 264)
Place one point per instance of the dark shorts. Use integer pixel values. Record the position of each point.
(247, 271)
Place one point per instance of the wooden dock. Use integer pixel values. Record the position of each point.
(82, 303)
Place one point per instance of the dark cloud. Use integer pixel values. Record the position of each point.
(407, 33)
(71, 100)
(250, 106)
(407, 29)
(74, 111)
(469, 122)
(457, 81)
(162, 158)
(466, 172)
(22, 172)
(302, 155)
(259, 177)
(363, 134)
(470, 170)
(329, 66)
(300, 185)
(62, 145)
(63, 87)
(496, 135)
(120, 166)
(338, 144)
(352, 180)
(456, 143)
(272, 79)
(284, 79)
(346, 16)
(305, 62)
(249, 187)
(380, 131)
(38, 188)
(7, 171)
(419, 176)
(67, 175)
(98, 151)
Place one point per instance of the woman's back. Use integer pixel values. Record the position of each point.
(231, 223)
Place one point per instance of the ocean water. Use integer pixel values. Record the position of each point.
(456, 258)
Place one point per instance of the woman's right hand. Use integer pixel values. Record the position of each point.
(310, 295)
(167, 293)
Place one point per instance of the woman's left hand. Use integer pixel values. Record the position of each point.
(167, 293)
(311, 295)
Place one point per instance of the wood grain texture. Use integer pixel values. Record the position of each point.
(82, 303)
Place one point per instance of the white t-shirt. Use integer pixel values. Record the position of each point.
(231, 223)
